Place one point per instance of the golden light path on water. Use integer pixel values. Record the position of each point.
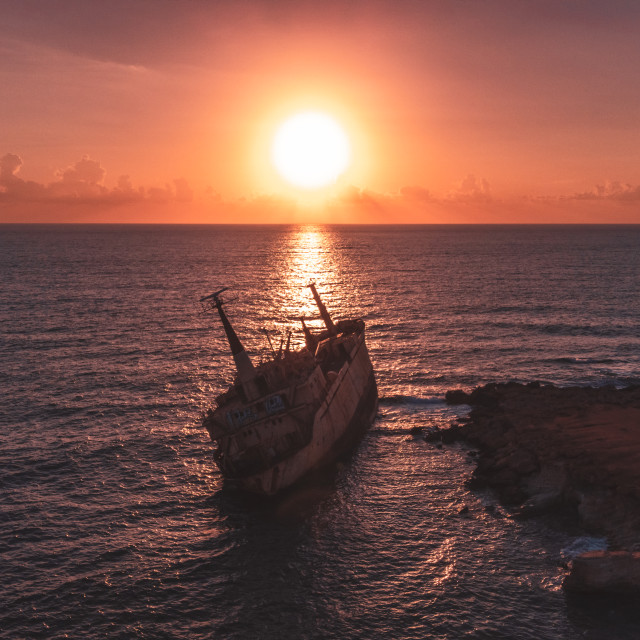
(309, 257)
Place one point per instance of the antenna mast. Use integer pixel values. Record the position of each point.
(323, 310)
(246, 371)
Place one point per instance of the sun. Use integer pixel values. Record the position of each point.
(310, 150)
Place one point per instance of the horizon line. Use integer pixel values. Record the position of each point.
(325, 224)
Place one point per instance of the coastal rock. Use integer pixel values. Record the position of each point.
(540, 503)
(448, 435)
(451, 435)
(605, 571)
(456, 396)
(574, 451)
(434, 436)
(551, 477)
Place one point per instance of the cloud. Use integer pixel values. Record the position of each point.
(353, 203)
(78, 194)
(184, 193)
(611, 190)
(83, 182)
(86, 171)
(125, 189)
(12, 187)
(416, 194)
(360, 197)
(125, 192)
(10, 164)
(471, 189)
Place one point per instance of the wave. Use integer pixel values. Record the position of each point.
(579, 360)
(396, 399)
(400, 431)
(583, 544)
(566, 329)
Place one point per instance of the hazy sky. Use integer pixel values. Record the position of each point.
(457, 110)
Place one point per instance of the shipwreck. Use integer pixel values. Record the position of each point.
(296, 412)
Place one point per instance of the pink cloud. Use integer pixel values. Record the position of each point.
(471, 189)
(611, 190)
(83, 181)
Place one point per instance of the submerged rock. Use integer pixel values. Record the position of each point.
(457, 396)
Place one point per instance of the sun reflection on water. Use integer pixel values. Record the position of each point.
(309, 256)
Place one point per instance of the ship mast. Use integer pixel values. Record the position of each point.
(309, 340)
(246, 370)
(323, 310)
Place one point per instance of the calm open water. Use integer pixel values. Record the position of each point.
(114, 521)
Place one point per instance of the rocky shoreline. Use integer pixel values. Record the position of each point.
(574, 452)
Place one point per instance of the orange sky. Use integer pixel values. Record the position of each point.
(457, 110)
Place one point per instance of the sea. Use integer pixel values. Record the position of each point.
(116, 523)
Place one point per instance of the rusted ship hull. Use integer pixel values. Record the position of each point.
(339, 424)
(297, 412)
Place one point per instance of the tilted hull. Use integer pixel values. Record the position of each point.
(296, 413)
(342, 419)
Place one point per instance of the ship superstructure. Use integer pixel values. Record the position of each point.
(296, 412)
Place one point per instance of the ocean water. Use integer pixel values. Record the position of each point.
(114, 520)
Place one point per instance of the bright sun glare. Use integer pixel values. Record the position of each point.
(310, 150)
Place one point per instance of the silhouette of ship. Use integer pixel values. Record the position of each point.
(297, 412)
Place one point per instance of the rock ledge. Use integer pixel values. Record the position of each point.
(605, 571)
(574, 451)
